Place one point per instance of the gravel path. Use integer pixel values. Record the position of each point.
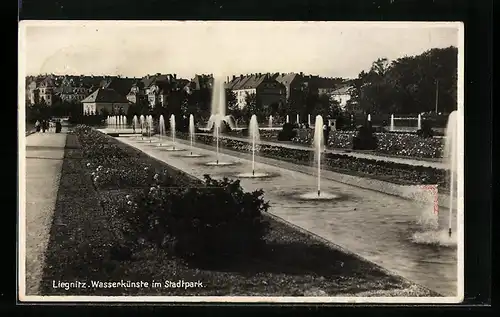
(44, 158)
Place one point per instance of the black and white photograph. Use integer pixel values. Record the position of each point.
(241, 161)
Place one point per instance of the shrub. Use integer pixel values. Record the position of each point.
(287, 133)
(215, 221)
(426, 130)
(365, 140)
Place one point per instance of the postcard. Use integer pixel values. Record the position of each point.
(241, 162)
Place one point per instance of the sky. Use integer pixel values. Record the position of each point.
(330, 49)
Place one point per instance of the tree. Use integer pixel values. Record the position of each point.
(408, 84)
(232, 104)
(252, 107)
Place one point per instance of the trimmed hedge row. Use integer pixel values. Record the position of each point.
(390, 171)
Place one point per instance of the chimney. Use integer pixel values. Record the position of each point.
(301, 74)
(234, 77)
(241, 76)
(175, 76)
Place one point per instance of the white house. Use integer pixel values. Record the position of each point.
(105, 98)
(342, 95)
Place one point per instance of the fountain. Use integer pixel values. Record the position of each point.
(149, 125)
(318, 143)
(134, 125)
(217, 126)
(309, 120)
(191, 137)
(142, 122)
(451, 155)
(270, 121)
(419, 122)
(218, 106)
(161, 129)
(253, 130)
(287, 119)
(392, 122)
(172, 132)
(434, 234)
(369, 117)
(298, 119)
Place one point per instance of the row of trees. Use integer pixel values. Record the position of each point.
(308, 103)
(409, 85)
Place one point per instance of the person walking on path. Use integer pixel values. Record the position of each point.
(44, 125)
(58, 126)
(37, 126)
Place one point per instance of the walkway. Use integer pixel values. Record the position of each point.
(400, 160)
(44, 158)
(383, 229)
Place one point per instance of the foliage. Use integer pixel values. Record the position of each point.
(252, 107)
(287, 133)
(408, 85)
(178, 218)
(365, 140)
(426, 130)
(170, 211)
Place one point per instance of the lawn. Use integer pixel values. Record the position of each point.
(86, 244)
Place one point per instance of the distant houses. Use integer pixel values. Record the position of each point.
(114, 93)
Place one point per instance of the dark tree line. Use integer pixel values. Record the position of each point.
(305, 103)
(409, 85)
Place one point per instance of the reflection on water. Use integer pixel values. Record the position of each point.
(400, 235)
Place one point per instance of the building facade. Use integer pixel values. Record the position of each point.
(342, 95)
(266, 89)
(105, 100)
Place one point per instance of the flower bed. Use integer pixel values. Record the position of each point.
(402, 144)
(112, 165)
(388, 171)
(171, 210)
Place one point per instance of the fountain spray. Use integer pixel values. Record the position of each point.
(172, 130)
(191, 131)
(318, 141)
(254, 133)
(217, 138)
(451, 153)
(150, 121)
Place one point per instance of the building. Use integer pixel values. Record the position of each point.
(105, 100)
(294, 85)
(267, 89)
(158, 88)
(46, 91)
(342, 95)
(136, 92)
(198, 83)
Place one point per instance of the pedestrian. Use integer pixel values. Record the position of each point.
(37, 126)
(44, 125)
(328, 130)
(58, 126)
